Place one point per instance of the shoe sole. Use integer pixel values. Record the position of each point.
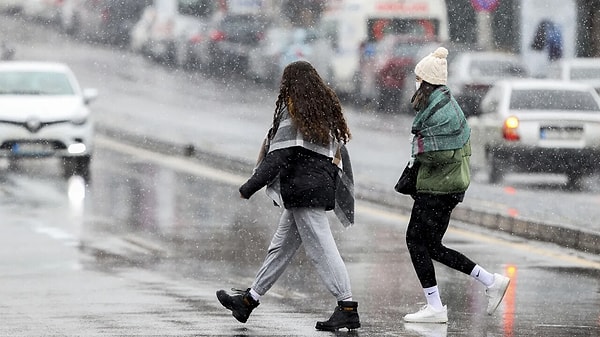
(347, 326)
(440, 321)
(222, 296)
(495, 306)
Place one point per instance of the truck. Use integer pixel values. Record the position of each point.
(350, 26)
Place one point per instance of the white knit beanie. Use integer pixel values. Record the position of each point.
(433, 68)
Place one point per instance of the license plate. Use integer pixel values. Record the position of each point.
(32, 149)
(561, 132)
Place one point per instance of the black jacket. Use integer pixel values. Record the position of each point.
(307, 179)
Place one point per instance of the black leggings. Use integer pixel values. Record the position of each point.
(428, 223)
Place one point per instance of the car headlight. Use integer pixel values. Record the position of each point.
(79, 121)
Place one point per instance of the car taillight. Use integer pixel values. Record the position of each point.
(217, 36)
(196, 38)
(510, 129)
(105, 15)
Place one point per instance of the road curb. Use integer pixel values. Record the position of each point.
(560, 234)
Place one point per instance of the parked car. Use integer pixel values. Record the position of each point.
(105, 21)
(7, 51)
(472, 73)
(304, 44)
(233, 38)
(11, 6)
(386, 69)
(264, 62)
(167, 30)
(281, 46)
(193, 46)
(534, 125)
(46, 11)
(584, 70)
(44, 113)
(139, 34)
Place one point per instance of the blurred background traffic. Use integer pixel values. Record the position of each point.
(366, 51)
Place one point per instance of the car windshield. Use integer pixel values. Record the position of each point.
(404, 49)
(585, 74)
(539, 99)
(244, 28)
(34, 83)
(198, 8)
(377, 28)
(496, 69)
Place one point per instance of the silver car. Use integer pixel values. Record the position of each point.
(534, 125)
(472, 73)
(578, 69)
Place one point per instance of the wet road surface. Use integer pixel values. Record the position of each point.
(155, 237)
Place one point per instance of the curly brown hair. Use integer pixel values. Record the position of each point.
(314, 106)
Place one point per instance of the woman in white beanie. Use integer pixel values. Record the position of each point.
(441, 147)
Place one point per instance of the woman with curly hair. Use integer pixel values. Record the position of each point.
(306, 168)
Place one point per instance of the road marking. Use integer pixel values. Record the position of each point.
(529, 249)
(189, 166)
(175, 162)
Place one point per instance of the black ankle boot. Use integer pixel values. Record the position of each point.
(345, 315)
(241, 304)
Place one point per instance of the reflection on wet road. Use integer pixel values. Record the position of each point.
(214, 236)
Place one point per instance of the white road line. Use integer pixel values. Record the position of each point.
(174, 162)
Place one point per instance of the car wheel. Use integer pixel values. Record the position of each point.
(382, 100)
(73, 28)
(14, 164)
(77, 166)
(170, 58)
(574, 181)
(357, 90)
(183, 58)
(494, 170)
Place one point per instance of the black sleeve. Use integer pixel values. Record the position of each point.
(266, 171)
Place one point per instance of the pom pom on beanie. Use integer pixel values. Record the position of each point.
(433, 68)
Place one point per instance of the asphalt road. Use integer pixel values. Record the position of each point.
(142, 250)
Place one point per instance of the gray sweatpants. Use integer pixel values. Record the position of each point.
(308, 226)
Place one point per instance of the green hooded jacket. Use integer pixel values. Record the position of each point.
(441, 145)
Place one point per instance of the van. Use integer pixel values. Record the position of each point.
(348, 26)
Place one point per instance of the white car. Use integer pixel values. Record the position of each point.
(579, 69)
(534, 125)
(47, 11)
(166, 33)
(44, 113)
(11, 6)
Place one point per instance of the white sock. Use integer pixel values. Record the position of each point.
(254, 295)
(482, 276)
(432, 294)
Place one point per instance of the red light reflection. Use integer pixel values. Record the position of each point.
(509, 301)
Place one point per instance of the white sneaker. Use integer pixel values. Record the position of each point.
(427, 314)
(496, 291)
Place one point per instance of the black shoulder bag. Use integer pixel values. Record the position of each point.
(407, 183)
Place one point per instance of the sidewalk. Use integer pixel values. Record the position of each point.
(542, 224)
